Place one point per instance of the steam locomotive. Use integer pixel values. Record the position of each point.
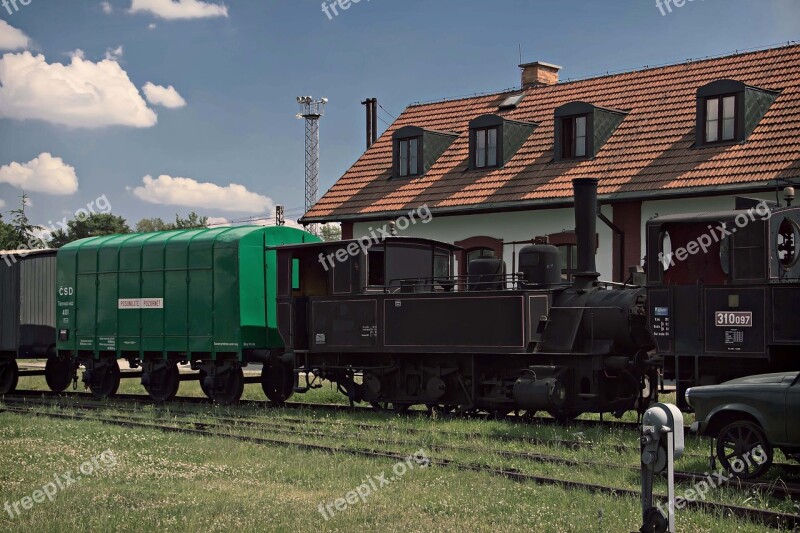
(391, 325)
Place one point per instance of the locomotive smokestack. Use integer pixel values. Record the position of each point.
(586, 229)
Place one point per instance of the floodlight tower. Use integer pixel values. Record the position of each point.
(312, 110)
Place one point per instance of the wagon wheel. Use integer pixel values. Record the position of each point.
(203, 387)
(9, 377)
(277, 382)
(233, 390)
(167, 389)
(58, 373)
(744, 450)
(110, 382)
(391, 406)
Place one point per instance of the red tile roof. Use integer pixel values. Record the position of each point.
(650, 153)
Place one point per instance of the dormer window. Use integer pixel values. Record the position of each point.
(493, 140)
(720, 118)
(417, 149)
(728, 111)
(486, 148)
(581, 130)
(409, 157)
(573, 141)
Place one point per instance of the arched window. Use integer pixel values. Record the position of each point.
(477, 248)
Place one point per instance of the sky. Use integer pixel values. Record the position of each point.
(158, 107)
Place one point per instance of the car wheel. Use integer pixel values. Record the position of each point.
(743, 450)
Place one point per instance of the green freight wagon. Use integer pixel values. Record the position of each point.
(204, 297)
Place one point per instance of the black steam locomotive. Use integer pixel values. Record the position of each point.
(724, 292)
(390, 324)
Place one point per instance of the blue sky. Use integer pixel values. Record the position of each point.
(239, 72)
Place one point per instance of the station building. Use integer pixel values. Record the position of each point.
(497, 169)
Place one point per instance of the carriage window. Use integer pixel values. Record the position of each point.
(688, 254)
(569, 261)
(748, 252)
(375, 268)
(788, 239)
(295, 274)
(480, 253)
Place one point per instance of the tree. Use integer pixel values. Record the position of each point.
(193, 221)
(150, 225)
(19, 234)
(7, 236)
(331, 232)
(95, 225)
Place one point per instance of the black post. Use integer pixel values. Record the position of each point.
(368, 105)
(585, 190)
(374, 120)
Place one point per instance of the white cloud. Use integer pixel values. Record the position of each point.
(44, 174)
(82, 94)
(166, 96)
(11, 38)
(179, 9)
(114, 54)
(218, 222)
(107, 9)
(2, 203)
(166, 190)
(152, 26)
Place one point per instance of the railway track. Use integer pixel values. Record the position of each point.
(294, 427)
(575, 444)
(769, 518)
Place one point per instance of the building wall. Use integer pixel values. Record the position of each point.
(512, 226)
(525, 225)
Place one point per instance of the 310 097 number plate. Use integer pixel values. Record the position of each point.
(733, 319)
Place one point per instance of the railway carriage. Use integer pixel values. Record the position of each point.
(200, 297)
(27, 319)
(724, 292)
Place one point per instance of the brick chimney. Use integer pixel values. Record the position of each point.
(539, 74)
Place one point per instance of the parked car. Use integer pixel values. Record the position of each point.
(750, 418)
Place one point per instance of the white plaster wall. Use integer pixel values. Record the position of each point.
(511, 226)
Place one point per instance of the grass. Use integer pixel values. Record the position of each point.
(192, 483)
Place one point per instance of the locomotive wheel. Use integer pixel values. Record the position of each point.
(9, 377)
(233, 390)
(110, 382)
(390, 406)
(58, 373)
(277, 382)
(735, 449)
(168, 388)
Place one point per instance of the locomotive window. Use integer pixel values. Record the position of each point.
(748, 252)
(441, 265)
(788, 238)
(376, 271)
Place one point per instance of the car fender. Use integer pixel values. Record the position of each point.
(730, 408)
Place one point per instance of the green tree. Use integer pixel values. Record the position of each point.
(19, 234)
(191, 222)
(95, 225)
(150, 225)
(331, 232)
(7, 236)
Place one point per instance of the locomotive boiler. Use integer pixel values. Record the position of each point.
(390, 324)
